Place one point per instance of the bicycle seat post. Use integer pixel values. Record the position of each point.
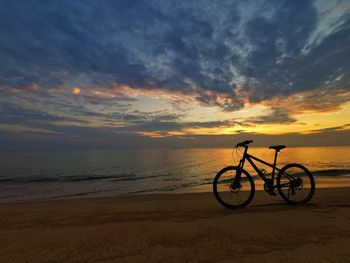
(274, 163)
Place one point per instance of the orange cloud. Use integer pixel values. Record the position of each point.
(16, 90)
(161, 134)
(48, 91)
(121, 91)
(310, 101)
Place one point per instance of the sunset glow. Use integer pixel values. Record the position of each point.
(140, 76)
(141, 130)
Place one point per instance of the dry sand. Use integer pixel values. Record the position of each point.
(177, 228)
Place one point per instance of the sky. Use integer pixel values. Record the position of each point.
(205, 73)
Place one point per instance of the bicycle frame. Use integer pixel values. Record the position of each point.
(250, 158)
(294, 182)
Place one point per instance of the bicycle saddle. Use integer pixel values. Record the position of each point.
(277, 147)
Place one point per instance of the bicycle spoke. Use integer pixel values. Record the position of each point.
(295, 184)
(231, 191)
(288, 191)
(288, 176)
(285, 185)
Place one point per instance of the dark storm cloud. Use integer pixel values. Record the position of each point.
(267, 47)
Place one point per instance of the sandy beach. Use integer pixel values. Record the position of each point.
(177, 228)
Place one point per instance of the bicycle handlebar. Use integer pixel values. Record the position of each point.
(243, 144)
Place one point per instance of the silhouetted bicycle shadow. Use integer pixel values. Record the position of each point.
(284, 205)
(270, 208)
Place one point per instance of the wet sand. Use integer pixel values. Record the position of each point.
(177, 228)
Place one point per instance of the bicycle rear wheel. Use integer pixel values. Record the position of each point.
(232, 193)
(295, 184)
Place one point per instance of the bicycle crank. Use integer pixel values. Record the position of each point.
(268, 187)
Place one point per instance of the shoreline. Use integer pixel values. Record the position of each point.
(143, 196)
(207, 190)
(177, 228)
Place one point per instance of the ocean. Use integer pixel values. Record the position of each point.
(73, 174)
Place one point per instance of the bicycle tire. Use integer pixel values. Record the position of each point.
(311, 183)
(217, 192)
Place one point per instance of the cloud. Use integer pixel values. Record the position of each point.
(131, 66)
(321, 100)
(332, 129)
(277, 116)
(13, 128)
(100, 140)
(202, 47)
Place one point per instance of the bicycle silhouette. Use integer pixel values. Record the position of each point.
(234, 187)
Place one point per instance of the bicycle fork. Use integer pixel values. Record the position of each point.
(236, 182)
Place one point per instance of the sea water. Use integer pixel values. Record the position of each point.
(73, 174)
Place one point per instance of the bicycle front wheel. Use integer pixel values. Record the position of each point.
(295, 184)
(233, 193)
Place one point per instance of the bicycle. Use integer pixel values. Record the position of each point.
(234, 187)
